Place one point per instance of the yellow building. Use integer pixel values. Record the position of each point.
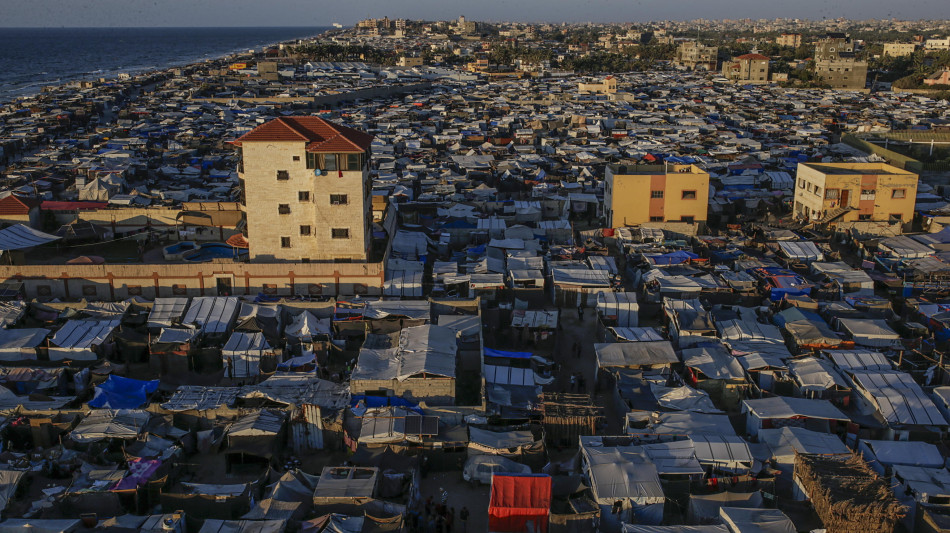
(899, 49)
(306, 193)
(640, 194)
(747, 68)
(607, 86)
(852, 192)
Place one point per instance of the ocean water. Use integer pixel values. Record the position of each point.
(31, 58)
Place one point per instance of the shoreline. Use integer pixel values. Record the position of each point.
(38, 89)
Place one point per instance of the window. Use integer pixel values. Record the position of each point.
(285, 242)
(305, 230)
(354, 161)
(656, 194)
(338, 199)
(296, 158)
(656, 219)
(283, 209)
(179, 290)
(283, 175)
(314, 289)
(312, 160)
(134, 290)
(801, 183)
(689, 195)
(831, 194)
(88, 290)
(340, 233)
(868, 194)
(688, 220)
(270, 288)
(898, 193)
(303, 196)
(864, 217)
(329, 162)
(359, 288)
(44, 290)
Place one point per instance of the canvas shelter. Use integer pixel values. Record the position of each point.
(765, 413)
(746, 520)
(21, 344)
(213, 315)
(618, 309)
(166, 312)
(78, 340)
(258, 433)
(868, 332)
(244, 352)
(623, 473)
(103, 424)
(519, 502)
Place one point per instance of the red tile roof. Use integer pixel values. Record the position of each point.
(753, 57)
(320, 135)
(15, 205)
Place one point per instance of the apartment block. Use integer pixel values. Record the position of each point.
(640, 194)
(747, 68)
(853, 192)
(696, 56)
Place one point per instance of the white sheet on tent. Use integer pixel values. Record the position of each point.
(899, 398)
(407, 308)
(19, 236)
(212, 314)
(506, 375)
(430, 349)
(305, 326)
(631, 334)
(730, 453)
(20, 344)
(801, 250)
(691, 423)
(166, 311)
(177, 335)
(904, 247)
(628, 354)
(784, 442)
(748, 330)
(714, 362)
(109, 423)
(77, 339)
(585, 278)
(403, 283)
(757, 520)
(868, 332)
(859, 360)
(912, 453)
(683, 398)
(815, 375)
(622, 473)
(621, 307)
(243, 352)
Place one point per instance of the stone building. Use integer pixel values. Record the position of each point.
(747, 68)
(837, 64)
(695, 56)
(789, 39)
(899, 49)
(854, 192)
(306, 191)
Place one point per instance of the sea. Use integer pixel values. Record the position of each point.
(31, 58)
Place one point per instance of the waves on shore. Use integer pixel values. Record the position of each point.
(32, 58)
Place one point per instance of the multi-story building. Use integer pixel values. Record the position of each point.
(640, 194)
(696, 56)
(937, 44)
(837, 64)
(747, 68)
(607, 86)
(306, 195)
(789, 39)
(853, 192)
(899, 49)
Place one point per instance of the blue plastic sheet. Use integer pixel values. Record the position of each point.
(489, 352)
(122, 393)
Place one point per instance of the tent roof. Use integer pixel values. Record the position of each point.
(635, 353)
(18, 237)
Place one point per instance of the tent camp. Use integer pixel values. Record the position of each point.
(166, 312)
(618, 308)
(741, 520)
(622, 473)
(519, 502)
(305, 326)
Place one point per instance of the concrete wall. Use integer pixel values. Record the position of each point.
(433, 391)
(628, 197)
(117, 282)
(855, 178)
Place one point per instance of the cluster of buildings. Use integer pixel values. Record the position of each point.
(312, 296)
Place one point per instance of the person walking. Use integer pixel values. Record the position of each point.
(463, 516)
(573, 382)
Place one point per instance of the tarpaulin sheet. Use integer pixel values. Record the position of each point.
(140, 471)
(489, 352)
(122, 393)
(517, 499)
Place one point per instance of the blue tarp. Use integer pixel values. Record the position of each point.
(123, 393)
(673, 258)
(384, 401)
(489, 352)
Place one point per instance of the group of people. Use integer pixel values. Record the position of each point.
(437, 517)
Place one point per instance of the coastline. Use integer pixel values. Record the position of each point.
(37, 89)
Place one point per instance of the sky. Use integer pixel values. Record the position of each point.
(230, 13)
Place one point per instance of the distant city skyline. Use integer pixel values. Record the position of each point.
(231, 13)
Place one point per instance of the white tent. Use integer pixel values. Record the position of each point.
(243, 352)
(20, 344)
(166, 312)
(306, 326)
(868, 332)
(214, 315)
(77, 339)
(742, 520)
(619, 307)
(805, 251)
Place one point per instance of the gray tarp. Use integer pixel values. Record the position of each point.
(899, 399)
(634, 354)
(77, 338)
(18, 237)
(714, 362)
(212, 525)
(867, 332)
(430, 349)
(500, 440)
(110, 424)
(20, 344)
(756, 520)
(705, 507)
(166, 312)
(9, 479)
(212, 314)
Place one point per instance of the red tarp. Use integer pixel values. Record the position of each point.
(517, 499)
